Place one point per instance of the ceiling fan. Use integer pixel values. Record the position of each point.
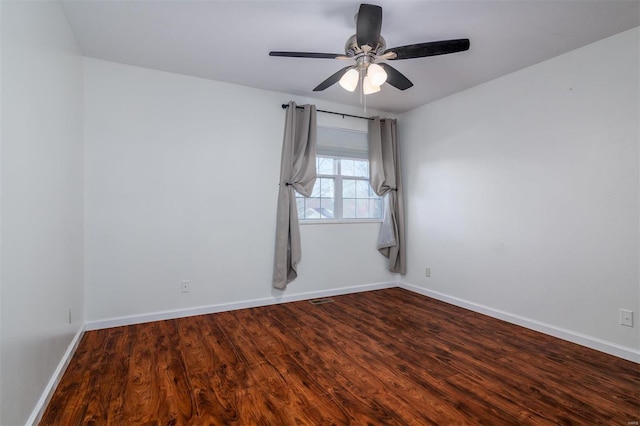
(367, 47)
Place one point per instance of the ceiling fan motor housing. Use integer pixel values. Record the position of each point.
(352, 49)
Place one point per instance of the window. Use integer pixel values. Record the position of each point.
(341, 193)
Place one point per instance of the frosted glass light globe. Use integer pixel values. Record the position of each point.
(349, 80)
(377, 75)
(368, 88)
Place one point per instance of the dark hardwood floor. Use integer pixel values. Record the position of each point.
(381, 357)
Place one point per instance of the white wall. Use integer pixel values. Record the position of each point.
(523, 193)
(41, 192)
(181, 181)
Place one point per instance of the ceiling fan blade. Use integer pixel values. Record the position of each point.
(431, 48)
(307, 55)
(396, 78)
(368, 25)
(332, 80)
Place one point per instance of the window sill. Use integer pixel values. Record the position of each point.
(337, 222)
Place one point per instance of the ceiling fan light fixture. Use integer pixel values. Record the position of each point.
(377, 75)
(349, 81)
(368, 88)
(367, 46)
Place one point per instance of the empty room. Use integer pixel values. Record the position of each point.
(319, 212)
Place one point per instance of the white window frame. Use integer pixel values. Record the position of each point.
(337, 199)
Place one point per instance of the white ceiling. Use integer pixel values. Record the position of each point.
(230, 40)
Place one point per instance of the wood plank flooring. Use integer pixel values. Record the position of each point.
(383, 357)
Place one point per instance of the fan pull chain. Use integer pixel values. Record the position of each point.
(365, 102)
(361, 78)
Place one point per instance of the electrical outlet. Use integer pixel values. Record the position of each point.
(626, 317)
(427, 272)
(185, 286)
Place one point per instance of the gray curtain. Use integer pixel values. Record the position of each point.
(297, 173)
(386, 180)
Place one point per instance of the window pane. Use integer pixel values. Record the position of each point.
(325, 166)
(326, 210)
(362, 208)
(300, 204)
(347, 167)
(316, 189)
(362, 188)
(376, 208)
(361, 168)
(349, 188)
(312, 208)
(356, 168)
(326, 187)
(349, 208)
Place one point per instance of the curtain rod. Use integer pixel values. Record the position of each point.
(285, 106)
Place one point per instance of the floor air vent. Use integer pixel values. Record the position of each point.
(321, 301)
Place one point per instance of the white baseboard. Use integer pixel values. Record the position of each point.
(610, 348)
(223, 307)
(47, 393)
